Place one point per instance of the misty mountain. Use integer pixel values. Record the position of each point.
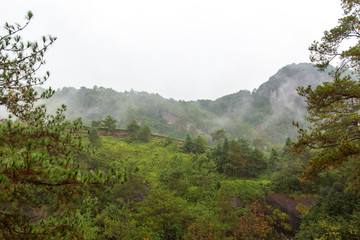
(286, 104)
(283, 84)
(264, 114)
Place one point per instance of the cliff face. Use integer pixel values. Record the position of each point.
(282, 86)
(287, 105)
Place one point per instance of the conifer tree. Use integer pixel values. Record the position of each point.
(144, 133)
(41, 184)
(133, 129)
(199, 144)
(188, 144)
(333, 107)
(274, 157)
(109, 123)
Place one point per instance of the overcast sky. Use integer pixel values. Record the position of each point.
(188, 49)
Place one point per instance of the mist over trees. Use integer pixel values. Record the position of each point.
(265, 113)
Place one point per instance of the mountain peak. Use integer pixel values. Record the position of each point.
(289, 78)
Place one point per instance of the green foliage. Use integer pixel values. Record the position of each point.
(245, 192)
(199, 144)
(165, 214)
(95, 123)
(333, 215)
(218, 135)
(333, 108)
(257, 162)
(279, 218)
(137, 132)
(133, 128)
(144, 133)
(94, 137)
(322, 53)
(287, 147)
(239, 154)
(19, 61)
(254, 224)
(334, 126)
(188, 144)
(196, 145)
(274, 157)
(236, 158)
(109, 123)
(302, 209)
(261, 144)
(220, 154)
(287, 179)
(175, 176)
(288, 169)
(242, 200)
(42, 187)
(171, 195)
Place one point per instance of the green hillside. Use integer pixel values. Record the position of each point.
(171, 194)
(263, 114)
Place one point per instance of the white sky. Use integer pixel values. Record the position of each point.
(188, 49)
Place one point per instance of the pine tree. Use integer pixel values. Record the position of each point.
(41, 184)
(274, 157)
(199, 144)
(333, 107)
(188, 144)
(144, 133)
(133, 129)
(109, 123)
(19, 62)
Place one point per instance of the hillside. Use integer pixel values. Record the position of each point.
(265, 113)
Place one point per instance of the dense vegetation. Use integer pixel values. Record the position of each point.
(174, 195)
(59, 180)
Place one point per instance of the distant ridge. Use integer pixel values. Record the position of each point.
(264, 115)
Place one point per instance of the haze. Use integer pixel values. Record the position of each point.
(189, 49)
